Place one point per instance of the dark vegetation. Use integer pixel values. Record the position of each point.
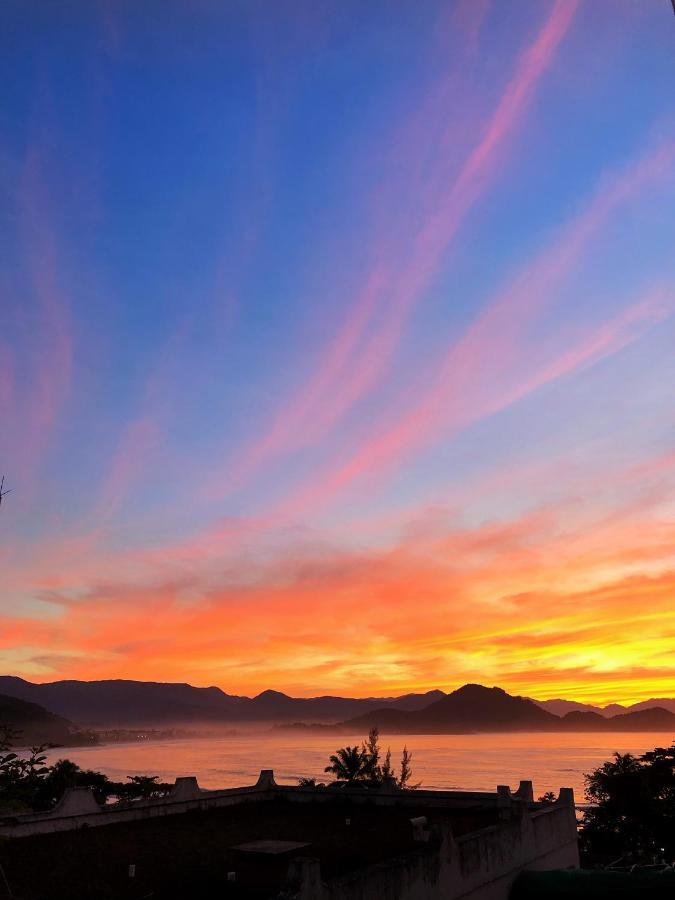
(28, 784)
(633, 817)
(365, 765)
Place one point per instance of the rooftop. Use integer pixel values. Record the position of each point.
(190, 855)
(267, 841)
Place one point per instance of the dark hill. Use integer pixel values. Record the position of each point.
(272, 705)
(33, 724)
(470, 708)
(577, 720)
(561, 707)
(654, 719)
(488, 708)
(141, 703)
(120, 702)
(413, 702)
(662, 702)
(474, 708)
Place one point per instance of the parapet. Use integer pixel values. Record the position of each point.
(566, 797)
(186, 788)
(76, 801)
(525, 792)
(266, 779)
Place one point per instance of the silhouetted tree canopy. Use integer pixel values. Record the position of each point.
(634, 812)
(365, 764)
(26, 783)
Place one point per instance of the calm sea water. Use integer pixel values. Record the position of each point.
(471, 762)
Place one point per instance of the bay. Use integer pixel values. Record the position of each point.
(440, 762)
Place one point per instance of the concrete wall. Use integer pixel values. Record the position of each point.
(477, 866)
(78, 808)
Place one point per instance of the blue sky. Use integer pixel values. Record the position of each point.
(286, 285)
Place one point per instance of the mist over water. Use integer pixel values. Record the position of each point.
(470, 761)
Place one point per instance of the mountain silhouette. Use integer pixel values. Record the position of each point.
(473, 707)
(34, 724)
(653, 719)
(470, 708)
(121, 703)
(561, 707)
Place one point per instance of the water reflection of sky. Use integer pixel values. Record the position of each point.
(470, 762)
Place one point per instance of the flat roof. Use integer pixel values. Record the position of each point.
(191, 854)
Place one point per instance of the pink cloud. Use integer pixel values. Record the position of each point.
(562, 585)
(471, 380)
(356, 362)
(129, 461)
(53, 342)
(6, 381)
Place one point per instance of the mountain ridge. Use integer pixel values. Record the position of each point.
(125, 702)
(32, 723)
(476, 708)
(131, 703)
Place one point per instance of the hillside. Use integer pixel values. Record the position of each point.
(470, 708)
(474, 708)
(121, 703)
(561, 707)
(34, 724)
(652, 719)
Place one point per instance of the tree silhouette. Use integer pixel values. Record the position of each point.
(349, 764)
(26, 783)
(634, 808)
(406, 772)
(146, 787)
(363, 764)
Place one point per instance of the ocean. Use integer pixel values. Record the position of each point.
(470, 762)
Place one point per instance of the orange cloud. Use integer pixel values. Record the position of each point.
(538, 605)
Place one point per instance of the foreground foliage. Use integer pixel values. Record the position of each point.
(366, 764)
(27, 783)
(634, 811)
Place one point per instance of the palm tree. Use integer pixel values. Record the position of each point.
(349, 764)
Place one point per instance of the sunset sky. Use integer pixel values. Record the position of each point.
(337, 344)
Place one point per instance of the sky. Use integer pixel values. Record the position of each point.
(337, 345)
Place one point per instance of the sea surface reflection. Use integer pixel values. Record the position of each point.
(472, 762)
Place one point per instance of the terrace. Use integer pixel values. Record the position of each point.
(268, 841)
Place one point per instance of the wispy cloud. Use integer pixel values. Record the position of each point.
(52, 349)
(517, 599)
(475, 376)
(360, 355)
